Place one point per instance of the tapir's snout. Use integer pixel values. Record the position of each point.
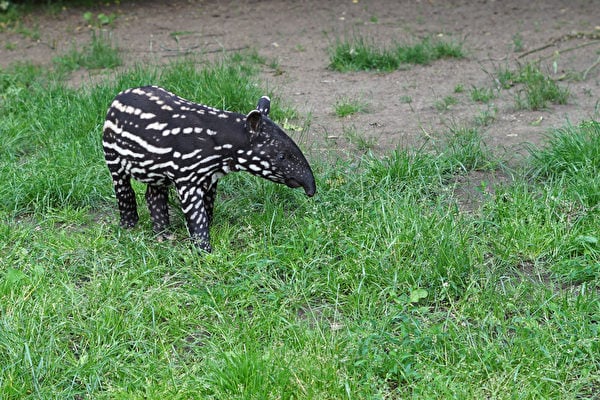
(311, 189)
(309, 185)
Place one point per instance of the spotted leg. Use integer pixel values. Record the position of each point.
(209, 202)
(126, 201)
(192, 203)
(157, 199)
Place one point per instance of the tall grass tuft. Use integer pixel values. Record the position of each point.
(573, 150)
(361, 54)
(537, 89)
(572, 155)
(566, 203)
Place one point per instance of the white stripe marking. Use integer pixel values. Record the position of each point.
(121, 151)
(147, 146)
(192, 154)
(165, 165)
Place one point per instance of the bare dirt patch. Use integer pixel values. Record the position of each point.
(403, 106)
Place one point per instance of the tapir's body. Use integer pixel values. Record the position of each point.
(159, 139)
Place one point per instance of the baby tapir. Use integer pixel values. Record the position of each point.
(159, 139)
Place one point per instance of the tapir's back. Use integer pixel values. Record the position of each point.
(156, 135)
(164, 119)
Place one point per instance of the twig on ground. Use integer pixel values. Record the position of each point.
(594, 65)
(594, 37)
(178, 52)
(574, 48)
(544, 47)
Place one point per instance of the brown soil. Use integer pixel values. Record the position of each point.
(295, 37)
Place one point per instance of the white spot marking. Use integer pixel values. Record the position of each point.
(157, 126)
(147, 115)
(254, 167)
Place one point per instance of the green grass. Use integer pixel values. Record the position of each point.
(362, 143)
(535, 90)
(573, 160)
(482, 95)
(344, 107)
(517, 42)
(378, 287)
(99, 53)
(405, 99)
(16, 16)
(99, 20)
(464, 150)
(486, 117)
(446, 103)
(361, 54)
(9, 15)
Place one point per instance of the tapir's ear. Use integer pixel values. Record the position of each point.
(264, 105)
(253, 121)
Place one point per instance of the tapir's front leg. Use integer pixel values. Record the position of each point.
(194, 209)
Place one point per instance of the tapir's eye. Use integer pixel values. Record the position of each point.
(281, 156)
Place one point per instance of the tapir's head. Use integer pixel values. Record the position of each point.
(273, 154)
